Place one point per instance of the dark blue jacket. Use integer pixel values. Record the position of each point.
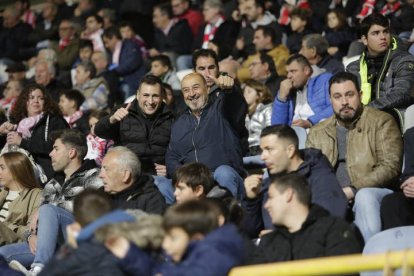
(211, 140)
(215, 255)
(91, 257)
(325, 190)
(131, 66)
(318, 99)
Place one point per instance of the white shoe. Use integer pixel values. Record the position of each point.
(35, 270)
(19, 267)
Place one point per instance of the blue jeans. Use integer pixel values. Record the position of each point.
(228, 178)
(225, 176)
(51, 232)
(367, 210)
(165, 187)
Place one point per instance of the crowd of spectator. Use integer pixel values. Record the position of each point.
(183, 137)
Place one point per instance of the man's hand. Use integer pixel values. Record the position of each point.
(240, 43)
(302, 123)
(253, 185)
(408, 187)
(348, 192)
(119, 114)
(224, 82)
(285, 87)
(33, 243)
(72, 231)
(160, 169)
(119, 246)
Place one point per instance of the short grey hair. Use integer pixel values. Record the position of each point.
(48, 54)
(214, 4)
(318, 42)
(49, 65)
(129, 160)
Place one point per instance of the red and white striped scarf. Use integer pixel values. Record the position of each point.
(210, 30)
(29, 17)
(390, 8)
(284, 18)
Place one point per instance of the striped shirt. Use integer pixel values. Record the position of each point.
(4, 212)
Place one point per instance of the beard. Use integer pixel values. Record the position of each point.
(349, 117)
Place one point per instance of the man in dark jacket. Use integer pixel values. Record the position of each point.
(143, 126)
(302, 230)
(128, 187)
(282, 156)
(204, 134)
(384, 70)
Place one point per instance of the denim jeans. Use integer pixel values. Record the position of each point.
(225, 176)
(165, 187)
(51, 232)
(367, 210)
(228, 178)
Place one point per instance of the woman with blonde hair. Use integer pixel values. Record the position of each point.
(20, 196)
(259, 101)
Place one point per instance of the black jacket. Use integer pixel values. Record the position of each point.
(178, 40)
(143, 195)
(325, 191)
(40, 145)
(321, 235)
(149, 145)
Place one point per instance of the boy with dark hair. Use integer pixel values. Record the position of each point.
(70, 102)
(192, 181)
(193, 241)
(299, 24)
(84, 53)
(161, 67)
(385, 69)
(302, 230)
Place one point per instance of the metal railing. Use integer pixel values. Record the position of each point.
(348, 264)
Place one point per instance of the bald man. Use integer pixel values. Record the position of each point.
(203, 134)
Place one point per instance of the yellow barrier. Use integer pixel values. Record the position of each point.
(331, 265)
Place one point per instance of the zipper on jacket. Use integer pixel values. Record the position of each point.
(385, 66)
(192, 137)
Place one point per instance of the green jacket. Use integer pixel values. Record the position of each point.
(20, 210)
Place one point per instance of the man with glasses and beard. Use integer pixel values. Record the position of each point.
(364, 146)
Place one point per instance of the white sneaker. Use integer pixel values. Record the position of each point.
(35, 270)
(19, 267)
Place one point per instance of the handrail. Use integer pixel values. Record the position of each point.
(330, 265)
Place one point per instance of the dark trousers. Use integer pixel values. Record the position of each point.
(397, 210)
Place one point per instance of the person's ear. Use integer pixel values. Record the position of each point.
(289, 194)
(291, 150)
(72, 153)
(127, 176)
(364, 40)
(199, 191)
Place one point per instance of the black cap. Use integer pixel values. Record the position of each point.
(16, 67)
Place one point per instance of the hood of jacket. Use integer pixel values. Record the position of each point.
(116, 216)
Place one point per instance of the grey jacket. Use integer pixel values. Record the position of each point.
(259, 120)
(394, 88)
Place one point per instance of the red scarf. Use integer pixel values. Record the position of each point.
(390, 8)
(210, 30)
(284, 18)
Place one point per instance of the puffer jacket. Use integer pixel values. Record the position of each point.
(395, 85)
(318, 99)
(149, 145)
(374, 148)
(259, 120)
(14, 226)
(62, 195)
(321, 235)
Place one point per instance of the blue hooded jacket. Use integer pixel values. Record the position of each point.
(215, 255)
(318, 99)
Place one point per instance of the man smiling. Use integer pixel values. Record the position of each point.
(143, 126)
